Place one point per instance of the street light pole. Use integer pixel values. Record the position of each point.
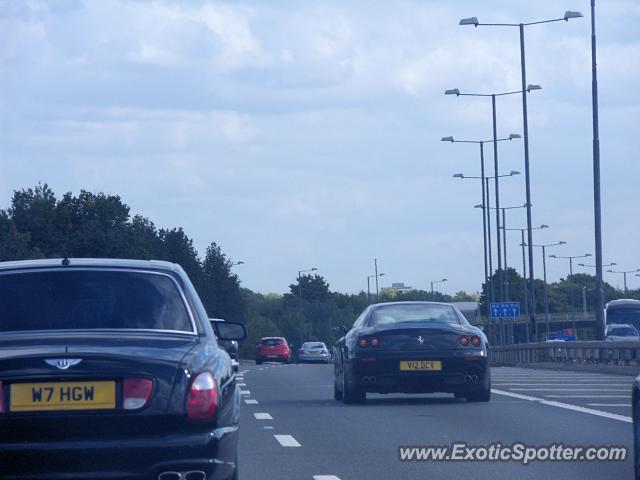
(525, 122)
(597, 210)
(436, 281)
(544, 270)
(624, 273)
(497, 186)
(486, 222)
(375, 264)
(571, 286)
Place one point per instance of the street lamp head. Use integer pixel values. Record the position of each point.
(452, 91)
(613, 264)
(553, 256)
(446, 139)
(587, 254)
(530, 88)
(240, 263)
(544, 226)
(562, 242)
(514, 172)
(478, 206)
(458, 175)
(313, 269)
(610, 271)
(569, 14)
(472, 21)
(514, 135)
(581, 265)
(445, 280)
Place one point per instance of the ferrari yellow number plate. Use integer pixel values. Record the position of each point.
(420, 365)
(27, 397)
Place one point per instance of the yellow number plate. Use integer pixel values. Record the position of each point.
(421, 365)
(28, 397)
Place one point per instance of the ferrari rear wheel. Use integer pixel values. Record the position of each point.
(351, 395)
(337, 394)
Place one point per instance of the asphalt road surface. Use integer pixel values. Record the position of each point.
(291, 428)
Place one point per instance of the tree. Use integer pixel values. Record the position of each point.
(221, 293)
(312, 288)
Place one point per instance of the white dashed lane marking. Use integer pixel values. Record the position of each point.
(263, 416)
(325, 477)
(287, 441)
(251, 401)
(245, 392)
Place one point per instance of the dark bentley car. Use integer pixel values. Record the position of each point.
(412, 347)
(110, 369)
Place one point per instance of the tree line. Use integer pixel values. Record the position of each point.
(38, 224)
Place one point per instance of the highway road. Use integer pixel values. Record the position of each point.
(291, 428)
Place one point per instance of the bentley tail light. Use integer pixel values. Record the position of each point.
(136, 392)
(202, 400)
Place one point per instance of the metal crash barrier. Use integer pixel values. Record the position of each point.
(580, 353)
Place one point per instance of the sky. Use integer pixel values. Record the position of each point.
(301, 134)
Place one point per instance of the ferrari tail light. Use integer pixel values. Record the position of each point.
(136, 392)
(463, 340)
(476, 341)
(364, 342)
(202, 400)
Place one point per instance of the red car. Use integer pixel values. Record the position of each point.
(273, 349)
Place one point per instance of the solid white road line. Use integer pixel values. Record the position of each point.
(325, 477)
(251, 401)
(263, 416)
(609, 404)
(587, 396)
(287, 441)
(553, 389)
(562, 384)
(567, 406)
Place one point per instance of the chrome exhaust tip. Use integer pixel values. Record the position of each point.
(170, 476)
(467, 378)
(474, 378)
(190, 475)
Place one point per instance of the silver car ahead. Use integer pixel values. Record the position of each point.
(314, 352)
(621, 333)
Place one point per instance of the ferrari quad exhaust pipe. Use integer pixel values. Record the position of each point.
(191, 475)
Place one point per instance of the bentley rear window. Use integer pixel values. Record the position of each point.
(394, 314)
(90, 299)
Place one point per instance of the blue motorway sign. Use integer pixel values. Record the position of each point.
(505, 309)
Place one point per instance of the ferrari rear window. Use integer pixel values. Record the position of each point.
(394, 314)
(91, 299)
